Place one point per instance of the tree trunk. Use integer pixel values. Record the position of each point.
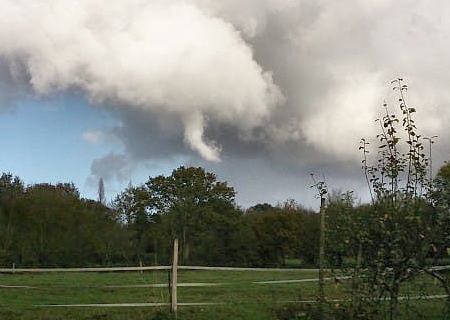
(394, 302)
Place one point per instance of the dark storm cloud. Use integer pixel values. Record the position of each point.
(112, 166)
(147, 136)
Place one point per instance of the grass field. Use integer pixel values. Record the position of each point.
(237, 295)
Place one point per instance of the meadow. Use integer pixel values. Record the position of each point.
(234, 295)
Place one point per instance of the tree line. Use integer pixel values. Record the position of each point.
(52, 226)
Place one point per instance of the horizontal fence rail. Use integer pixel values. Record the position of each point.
(156, 304)
(123, 269)
(197, 284)
(106, 305)
(247, 269)
(156, 268)
(111, 269)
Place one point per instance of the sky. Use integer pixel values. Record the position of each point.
(261, 92)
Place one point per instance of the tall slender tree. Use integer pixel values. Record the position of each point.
(101, 191)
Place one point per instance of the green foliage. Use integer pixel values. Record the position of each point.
(393, 237)
(441, 192)
(190, 205)
(49, 225)
(194, 207)
(283, 231)
(343, 219)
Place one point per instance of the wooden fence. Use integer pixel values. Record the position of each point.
(173, 284)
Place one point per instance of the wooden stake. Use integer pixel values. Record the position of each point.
(322, 257)
(173, 302)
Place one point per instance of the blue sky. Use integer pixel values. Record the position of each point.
(46, 143)
(44, 140)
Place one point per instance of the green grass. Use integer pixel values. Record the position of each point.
(240, 296)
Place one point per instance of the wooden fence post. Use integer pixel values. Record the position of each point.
(173, 300)
(322, 258)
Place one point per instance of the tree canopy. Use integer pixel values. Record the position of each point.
(49, 225)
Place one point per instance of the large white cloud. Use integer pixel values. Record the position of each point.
(165, 56)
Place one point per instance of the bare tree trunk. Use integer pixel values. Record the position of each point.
(393, 304)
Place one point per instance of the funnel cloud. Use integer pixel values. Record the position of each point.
(263, 92)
